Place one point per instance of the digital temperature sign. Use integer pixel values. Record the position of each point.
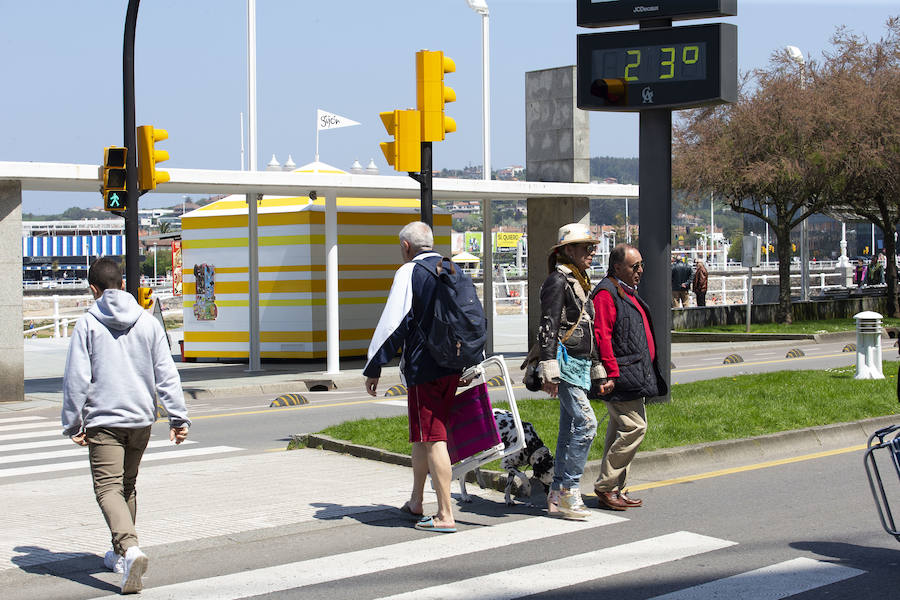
(675, 67)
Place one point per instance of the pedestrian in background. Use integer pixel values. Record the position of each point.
(408, 313)
(699, 282)
(119, 365)
(681, 282)
(627, 348)
(568, 362)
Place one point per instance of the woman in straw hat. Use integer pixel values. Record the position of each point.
(568, 362)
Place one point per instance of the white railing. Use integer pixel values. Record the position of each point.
(61, 322)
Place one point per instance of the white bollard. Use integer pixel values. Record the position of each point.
(868, 345)
(56, 316)
(65, 328)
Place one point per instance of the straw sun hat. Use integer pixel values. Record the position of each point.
(574, 233)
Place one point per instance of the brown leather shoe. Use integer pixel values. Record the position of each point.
(630, 502)
(610, 500)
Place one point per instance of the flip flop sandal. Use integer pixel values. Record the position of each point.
(427, 524)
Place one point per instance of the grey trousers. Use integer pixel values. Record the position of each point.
(624, 434)
(115, 454)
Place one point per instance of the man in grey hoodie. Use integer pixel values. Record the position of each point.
(119, 365)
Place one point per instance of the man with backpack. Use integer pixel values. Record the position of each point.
(433, 314)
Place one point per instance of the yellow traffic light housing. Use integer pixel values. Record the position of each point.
(145, 297)
(432, 94)
(114, 178)
(405, 152)
(149, 156)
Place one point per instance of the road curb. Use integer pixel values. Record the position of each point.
(657, 465)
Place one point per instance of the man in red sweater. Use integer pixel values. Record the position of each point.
(624, 335)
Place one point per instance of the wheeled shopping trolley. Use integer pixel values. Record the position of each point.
(473, 438)
(888, 441)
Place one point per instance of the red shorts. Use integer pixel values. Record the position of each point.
(429, 408)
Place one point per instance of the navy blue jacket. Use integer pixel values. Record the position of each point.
(407, 314)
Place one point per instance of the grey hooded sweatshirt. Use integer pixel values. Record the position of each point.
(119, 365)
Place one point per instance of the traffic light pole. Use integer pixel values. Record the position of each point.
(424, 179)
(132, 262)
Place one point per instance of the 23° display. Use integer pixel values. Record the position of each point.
(652, 64)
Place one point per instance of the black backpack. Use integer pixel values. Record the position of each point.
(459, 327)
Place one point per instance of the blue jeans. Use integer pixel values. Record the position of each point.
(577, 428)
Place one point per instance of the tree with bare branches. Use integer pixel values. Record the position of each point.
(862, 82)
(782, 145)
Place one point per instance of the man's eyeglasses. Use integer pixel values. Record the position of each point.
(589, 248)
(637, 266)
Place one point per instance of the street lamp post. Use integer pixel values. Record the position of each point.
(481, 7)
(797, 57)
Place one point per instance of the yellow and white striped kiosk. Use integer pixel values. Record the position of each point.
(291, 273)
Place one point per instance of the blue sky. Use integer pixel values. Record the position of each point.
(62, 98)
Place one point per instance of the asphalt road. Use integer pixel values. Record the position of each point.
(804, 530)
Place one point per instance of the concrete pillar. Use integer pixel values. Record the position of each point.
(557, 148)
(12, 363)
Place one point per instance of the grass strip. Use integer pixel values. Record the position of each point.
(703, 411)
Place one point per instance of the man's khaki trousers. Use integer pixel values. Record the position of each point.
(115, 454)
(624, 434)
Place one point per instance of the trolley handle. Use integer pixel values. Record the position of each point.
(882, 433)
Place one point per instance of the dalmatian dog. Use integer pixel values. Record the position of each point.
(535, 453)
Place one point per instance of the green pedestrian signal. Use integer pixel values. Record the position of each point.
(114, 201)
(114, 178)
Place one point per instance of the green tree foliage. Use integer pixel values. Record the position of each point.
(624, 170)
(163, 262)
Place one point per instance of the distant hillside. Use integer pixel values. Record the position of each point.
(623, 170)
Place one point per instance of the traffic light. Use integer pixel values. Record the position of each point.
(148, 156)
(405, 152)
(614, 92)
(432, 94)
(114, 178)
(145, 297)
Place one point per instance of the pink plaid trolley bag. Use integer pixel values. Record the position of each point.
(472, 427)
(473, 439)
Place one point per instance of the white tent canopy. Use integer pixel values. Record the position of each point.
(465, 257)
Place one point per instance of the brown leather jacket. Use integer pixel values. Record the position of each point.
(701, 276)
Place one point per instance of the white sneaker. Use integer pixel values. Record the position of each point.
(571, 506)
(113, 561)
(135, 565)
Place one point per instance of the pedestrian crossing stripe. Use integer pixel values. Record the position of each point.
(23, 426)
(73, 452)
(425, 548)
(68, 466)
(774, 582)
(25, 435)
(572, 570)
(5, 420)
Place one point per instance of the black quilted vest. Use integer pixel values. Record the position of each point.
(638, 375)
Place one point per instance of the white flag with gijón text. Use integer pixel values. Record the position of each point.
(327, 120)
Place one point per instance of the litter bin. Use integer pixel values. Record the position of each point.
(868, 345)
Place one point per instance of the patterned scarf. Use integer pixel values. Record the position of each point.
(580, 275)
